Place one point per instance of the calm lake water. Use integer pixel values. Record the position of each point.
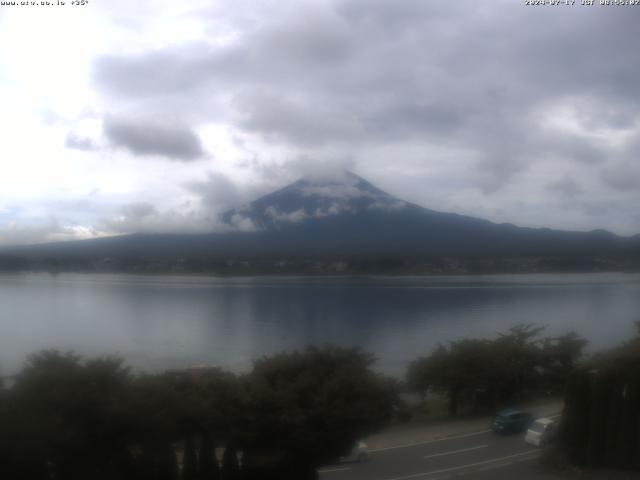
(159, 322)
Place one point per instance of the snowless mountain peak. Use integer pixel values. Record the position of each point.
(313, 197)
(343, 185)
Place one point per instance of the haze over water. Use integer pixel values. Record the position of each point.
(160, 322)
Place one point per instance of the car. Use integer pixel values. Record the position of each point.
(511, 421)
(541, 432)
(359, 453)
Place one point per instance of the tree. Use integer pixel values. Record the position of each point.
(624, 357)
(190, 460)
(69, 418)
(7, 453)
(427, 373)
(308, 408)
(156, 407)
(467, 370)
(207, 464)
(480, 373)
(560, 356)
(601, 419)
(520, 354)
(230, 466)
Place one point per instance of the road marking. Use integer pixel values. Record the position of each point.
(329, 470)
(491, 467)
(460, 467)
(435, 440)
(505, 464)
(426, 442)
(452, 452)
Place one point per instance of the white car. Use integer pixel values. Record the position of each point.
(359, 453)
(540, 432)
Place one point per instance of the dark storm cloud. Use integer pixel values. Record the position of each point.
(149, 138)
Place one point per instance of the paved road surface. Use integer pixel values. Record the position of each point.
(474, 452)
(457, 449)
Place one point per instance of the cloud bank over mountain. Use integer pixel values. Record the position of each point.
(525, 115)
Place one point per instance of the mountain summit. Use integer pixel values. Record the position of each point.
(345, 215)
(313, 198)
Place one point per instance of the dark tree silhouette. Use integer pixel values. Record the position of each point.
(307, 408)
(481, 373)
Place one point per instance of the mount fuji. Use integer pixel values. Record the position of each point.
(348, 215)
(345, 215)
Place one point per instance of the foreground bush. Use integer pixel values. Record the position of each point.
(67, 418)
(601, 421)
(483, 373)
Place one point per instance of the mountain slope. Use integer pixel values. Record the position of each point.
(346, 215)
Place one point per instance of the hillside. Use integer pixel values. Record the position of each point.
(344, 217)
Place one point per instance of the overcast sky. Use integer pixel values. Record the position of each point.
(122, 116)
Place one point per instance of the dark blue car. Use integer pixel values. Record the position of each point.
(511, 421)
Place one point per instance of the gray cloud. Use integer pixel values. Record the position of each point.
(566, 187)
(342, 51)
(153, 73)
(623, 176)
(50, 230)
(217, 192)
(295, 120)
(470, 85)
(150, 138)
(139, 210)
(322, 40)
(76, 142)
(315, 169)
(143, 217)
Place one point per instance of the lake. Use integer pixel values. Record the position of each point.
(159, 322)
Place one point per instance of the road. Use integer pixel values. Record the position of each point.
(476, 454)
